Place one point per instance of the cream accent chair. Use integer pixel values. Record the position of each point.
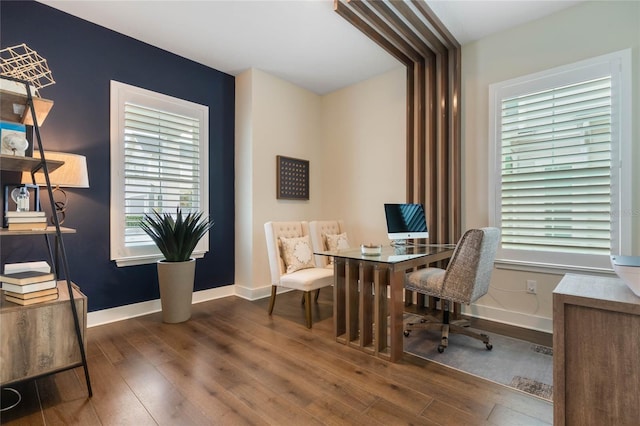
(309, 278)
(319, 229)
(465, 280)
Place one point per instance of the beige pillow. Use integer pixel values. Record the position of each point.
(297, 253)
(337, 241)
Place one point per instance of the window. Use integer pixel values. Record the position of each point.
(560, 174)
(159, 161)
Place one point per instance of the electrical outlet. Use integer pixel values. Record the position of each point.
(532, 286)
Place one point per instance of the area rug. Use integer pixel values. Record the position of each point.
(511, 362)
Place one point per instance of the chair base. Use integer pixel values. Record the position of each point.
(430, 322)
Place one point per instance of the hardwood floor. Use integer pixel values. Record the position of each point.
(232, 364)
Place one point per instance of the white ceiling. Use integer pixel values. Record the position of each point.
(302, 41)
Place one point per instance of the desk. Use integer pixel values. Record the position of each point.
(368, 295)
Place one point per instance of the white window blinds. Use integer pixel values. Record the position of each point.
(560, 172)
(556, 169)
(162, 167)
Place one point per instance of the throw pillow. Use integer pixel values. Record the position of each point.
(337, 241)
(297, 253)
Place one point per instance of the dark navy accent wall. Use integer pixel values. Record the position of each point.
(84, 57)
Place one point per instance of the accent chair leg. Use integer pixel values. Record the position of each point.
(307, 307)
(272, 301)
(317, 295)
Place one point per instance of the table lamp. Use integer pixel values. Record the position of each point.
(72, 174)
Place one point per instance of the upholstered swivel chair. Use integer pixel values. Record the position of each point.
(292, 262)
(327, 235)
(465, 280)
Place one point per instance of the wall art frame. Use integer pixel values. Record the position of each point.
(292, 181)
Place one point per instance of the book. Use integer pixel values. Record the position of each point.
(28, 219)
(25, 302)
(29, 288)
(26, 277)
(16, 214)
(33, 294)
(31, 226)
(38, 265)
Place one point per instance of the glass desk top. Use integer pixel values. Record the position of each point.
(391, 254)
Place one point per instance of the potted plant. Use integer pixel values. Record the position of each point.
(176, 235)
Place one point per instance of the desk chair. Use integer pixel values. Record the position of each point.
(327, 235)
(291, 261)
(465, 280)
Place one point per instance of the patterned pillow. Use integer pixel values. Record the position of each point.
(297, 253)
(337, 241)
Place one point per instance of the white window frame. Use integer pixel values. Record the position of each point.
(123, 93)
(618, 65)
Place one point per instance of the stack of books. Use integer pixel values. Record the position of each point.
(25, 221)
(28, 283)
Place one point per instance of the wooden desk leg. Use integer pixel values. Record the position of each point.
(396, 313)
(339, 318)
(366, 304)
(351, 300)
(380, 282)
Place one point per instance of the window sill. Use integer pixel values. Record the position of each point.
(146, 260)
(549, 268)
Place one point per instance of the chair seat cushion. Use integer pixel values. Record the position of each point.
(426, 281)
(308, 279)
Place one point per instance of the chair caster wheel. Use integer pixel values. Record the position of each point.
(406, 333)
(489, 346)
(440, 348)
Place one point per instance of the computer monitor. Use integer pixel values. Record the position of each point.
(405, 221)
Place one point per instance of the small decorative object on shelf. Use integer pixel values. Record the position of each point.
(13, 140)
(25, 207)
(20, 196)
(24, 63)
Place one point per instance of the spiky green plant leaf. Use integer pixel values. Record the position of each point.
(176, 237)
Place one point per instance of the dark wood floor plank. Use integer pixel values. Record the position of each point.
(233, 364)
(113, 400)
(297, 366)
(211, 396)
(447, 415)
(365, 378)
(243, 371)
(388, 413)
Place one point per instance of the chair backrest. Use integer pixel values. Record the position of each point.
(273, 231)
(469, 271)
(318, 230)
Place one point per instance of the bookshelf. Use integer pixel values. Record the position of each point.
(21, 337)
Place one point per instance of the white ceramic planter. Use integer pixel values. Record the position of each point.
(176, 289)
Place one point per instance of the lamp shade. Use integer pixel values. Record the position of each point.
(72, 174)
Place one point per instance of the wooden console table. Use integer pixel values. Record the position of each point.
(39, 339)
(596, 352)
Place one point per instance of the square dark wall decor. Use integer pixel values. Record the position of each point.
(293, 178)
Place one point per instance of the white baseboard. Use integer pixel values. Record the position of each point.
(106, 316)
(518, 319)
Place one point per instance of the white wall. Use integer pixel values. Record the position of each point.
(273, 117)
(364, 146)
(587, 30)
(354, 140)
